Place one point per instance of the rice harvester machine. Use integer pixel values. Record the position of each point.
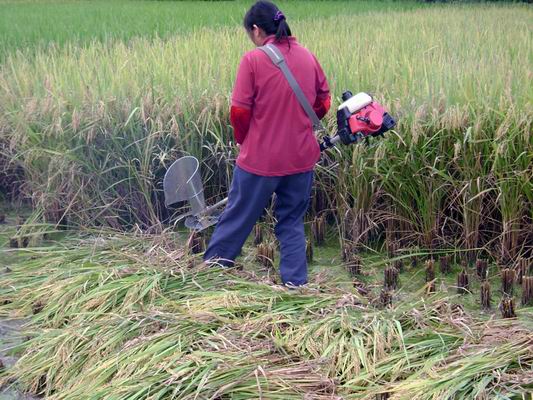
(359, 118)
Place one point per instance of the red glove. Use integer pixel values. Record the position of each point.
(240, 121)
(321, 106)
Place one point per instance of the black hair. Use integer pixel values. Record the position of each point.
(267, 16)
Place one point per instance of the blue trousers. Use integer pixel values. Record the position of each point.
(248, 196)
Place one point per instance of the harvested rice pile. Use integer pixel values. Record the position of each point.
(131, 317)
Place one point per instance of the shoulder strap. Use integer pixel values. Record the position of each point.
(277, 58)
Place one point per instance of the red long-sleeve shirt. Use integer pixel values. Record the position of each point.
(275, 133)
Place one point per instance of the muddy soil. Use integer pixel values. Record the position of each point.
(9, 337)
(9, 329)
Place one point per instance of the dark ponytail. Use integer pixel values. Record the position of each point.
(268, 17)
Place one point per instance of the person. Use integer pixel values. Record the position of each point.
(278, 148)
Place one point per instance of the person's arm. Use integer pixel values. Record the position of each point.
(242, 99)
(323, 98)
(240, 121)
(322, 106)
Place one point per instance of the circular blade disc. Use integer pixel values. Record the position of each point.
(199, 224)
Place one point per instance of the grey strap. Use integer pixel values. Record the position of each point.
(277, 58)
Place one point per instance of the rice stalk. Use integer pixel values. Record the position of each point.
(507, 307)
(196, 243)
(462, 282)
(265, 255)
(318, 229)
(486, 300)
(391, 278)
(482, 269)
(523, 268)
(507, 281)
(309, 251)
(258, 234)
(527, 290)
(398, 264)
(444, 264)
(385, 298)
(430, 275)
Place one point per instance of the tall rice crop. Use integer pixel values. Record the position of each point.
(89, 130)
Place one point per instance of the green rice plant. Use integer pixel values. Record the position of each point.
(356, 194)
(92, 128)
(80, 22)
(511, 163)
(471, 163)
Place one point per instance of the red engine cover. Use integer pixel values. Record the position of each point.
(368, 119)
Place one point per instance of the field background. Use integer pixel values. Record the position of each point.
(31, 23)
(98, 98)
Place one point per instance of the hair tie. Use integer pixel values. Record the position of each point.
(279, 16)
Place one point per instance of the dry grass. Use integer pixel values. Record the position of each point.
(127, 317)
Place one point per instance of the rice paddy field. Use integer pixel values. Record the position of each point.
(420, 245)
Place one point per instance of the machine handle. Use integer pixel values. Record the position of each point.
(209, 210)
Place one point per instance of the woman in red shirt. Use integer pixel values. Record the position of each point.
(278, 149)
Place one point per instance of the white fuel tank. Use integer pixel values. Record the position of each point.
(356, 102)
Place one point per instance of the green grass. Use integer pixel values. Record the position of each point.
(36, 24)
